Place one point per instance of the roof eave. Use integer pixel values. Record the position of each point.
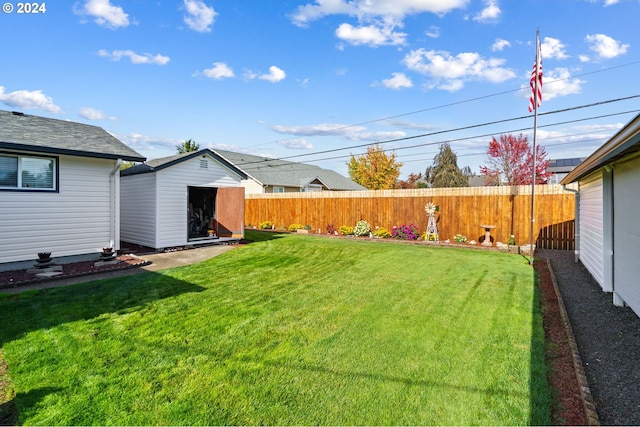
(619, 144)
(68, 152)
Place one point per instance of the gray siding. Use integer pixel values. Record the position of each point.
(76, 220)
(138, 213)
(626, 233)
(591, 226)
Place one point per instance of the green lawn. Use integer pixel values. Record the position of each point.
(291, 329)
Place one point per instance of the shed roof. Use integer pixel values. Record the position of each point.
(622, 144)
(155, 165)
(275, 172)
(21, 131)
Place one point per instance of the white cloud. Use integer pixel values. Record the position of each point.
(451, 72)
(366, 10)
(377, 19)
(29, 100)
(200, 17)
(104, 13)
(93, 114)
(552, 48)
(370, 35)
(490, 13)
(433, 32)
(500, 44)
(397, 81)
(135, 58)
(220, 70)
(354, 133)
(296, 144)
(605, 46)
(557, 83)
(275, 75)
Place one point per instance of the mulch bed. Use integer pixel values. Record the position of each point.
(568, 401)
(14, 278)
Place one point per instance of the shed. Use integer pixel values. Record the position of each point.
(186, 199)
(608, 230)
(59, 187)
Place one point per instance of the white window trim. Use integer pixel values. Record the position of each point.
(19, 186)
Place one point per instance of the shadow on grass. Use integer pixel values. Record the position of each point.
(9, 412)
(540, 392)
(48, 308)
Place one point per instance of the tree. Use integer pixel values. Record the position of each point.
(511, 162)
(188, 146)
(412, 181)
(374, 170)
(445, 172)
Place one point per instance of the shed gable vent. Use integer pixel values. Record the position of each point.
(204, 164)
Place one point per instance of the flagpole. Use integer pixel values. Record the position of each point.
(535, 128)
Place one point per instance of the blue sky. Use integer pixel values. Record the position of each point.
(317, 80)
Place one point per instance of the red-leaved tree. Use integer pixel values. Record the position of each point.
(510, 162)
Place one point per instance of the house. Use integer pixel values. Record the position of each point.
(607, 226)
(559, 168)
(59, 187)
(185, 199)
(266, 175)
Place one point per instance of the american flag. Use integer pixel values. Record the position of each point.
(536, 92)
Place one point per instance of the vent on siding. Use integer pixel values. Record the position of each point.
(204, 164)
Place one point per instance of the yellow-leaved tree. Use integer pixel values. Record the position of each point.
(374, 170)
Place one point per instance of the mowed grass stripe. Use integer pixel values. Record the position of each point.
(290, 330)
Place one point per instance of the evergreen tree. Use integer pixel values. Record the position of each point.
(445, 172)
(188, 146)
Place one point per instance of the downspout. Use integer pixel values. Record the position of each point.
(114, 233)
(577, 221)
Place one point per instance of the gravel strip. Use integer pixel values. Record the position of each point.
(607, 337)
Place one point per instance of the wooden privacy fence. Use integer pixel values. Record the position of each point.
(461, 211)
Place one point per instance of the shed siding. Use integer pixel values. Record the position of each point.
(138, 215)
(626, 232)
(591, 226)
(76, 220)
(172, 187)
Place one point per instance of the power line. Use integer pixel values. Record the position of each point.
(460, 129)
(451, 104)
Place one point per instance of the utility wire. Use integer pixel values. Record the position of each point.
(458, 129)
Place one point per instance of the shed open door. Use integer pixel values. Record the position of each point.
(230, 212)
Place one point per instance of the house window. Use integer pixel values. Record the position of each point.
(29, 173)
(278, 189)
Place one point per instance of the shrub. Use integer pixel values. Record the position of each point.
(432, 237)
(362, 228)
(307, 227)
(511, 241)
(265, 225)
(460, 238)
(346, 230)
(294, 227)
(405, 232)
(382, 232)
(331, 229)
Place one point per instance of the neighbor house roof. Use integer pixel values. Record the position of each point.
(623, 143)
(20, 131)
(165, 162)
(274, 172)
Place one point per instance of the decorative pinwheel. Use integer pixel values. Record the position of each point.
(430, 208)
